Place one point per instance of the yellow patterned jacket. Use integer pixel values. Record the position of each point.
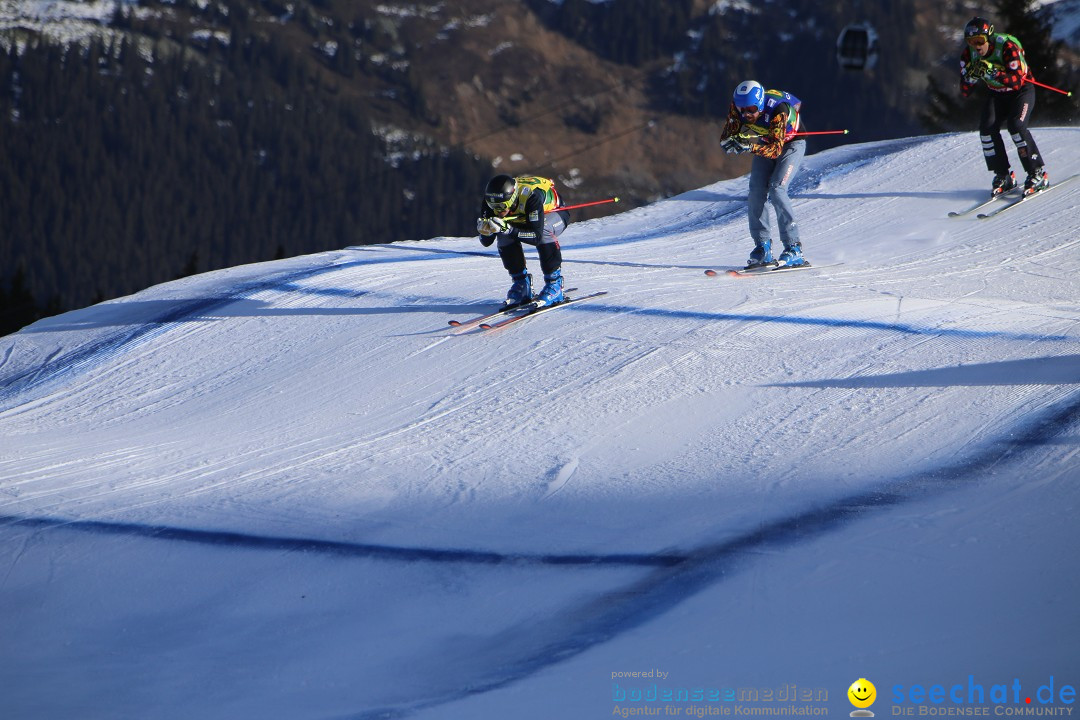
(776, 125)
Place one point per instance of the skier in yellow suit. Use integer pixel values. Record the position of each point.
(520, 210)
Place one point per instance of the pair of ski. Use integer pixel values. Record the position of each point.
(768, 269)
(510, 314)
(1008, 200)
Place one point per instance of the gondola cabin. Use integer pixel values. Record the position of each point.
(857, 47)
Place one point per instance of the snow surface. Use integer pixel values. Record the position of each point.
(61, 20)
(290, 490)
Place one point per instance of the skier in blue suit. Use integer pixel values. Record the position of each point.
(765, 123)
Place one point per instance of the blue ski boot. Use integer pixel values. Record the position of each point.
(521, 291)
(792, 256)
(760, 255)
(552, 294)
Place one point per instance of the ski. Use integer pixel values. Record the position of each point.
(1025, 198)
(532, 311)
(484, 318)
(473, 322)
(993, 199)
(766, 270)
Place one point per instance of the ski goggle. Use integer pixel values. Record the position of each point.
(749, 110)
(498, 204)
(977, 40)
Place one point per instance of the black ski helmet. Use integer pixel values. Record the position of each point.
(501, 192)
(978, 26)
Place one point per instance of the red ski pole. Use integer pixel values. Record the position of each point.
(822, 132)
(588, 204)
(511, 218)
(1066, 93)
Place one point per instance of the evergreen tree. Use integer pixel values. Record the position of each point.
(17, 306)
(192, 266)
(945, 109)
(122, 171)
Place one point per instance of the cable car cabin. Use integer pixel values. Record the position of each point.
(857, 47)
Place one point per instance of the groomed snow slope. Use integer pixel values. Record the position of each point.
(289, 490)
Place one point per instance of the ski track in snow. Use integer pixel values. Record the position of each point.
(677, 577)
(578, 629)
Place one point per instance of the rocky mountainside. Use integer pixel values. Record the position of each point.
(616, 97)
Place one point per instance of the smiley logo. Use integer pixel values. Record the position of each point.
(862, 694)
